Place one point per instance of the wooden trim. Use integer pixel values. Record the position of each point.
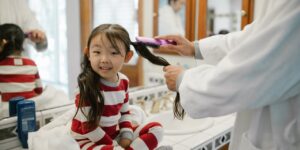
(86, 16)
(251, 10)
(248, 9)
(190, 12)
(140, 66)
(155, 17)
(202, 17)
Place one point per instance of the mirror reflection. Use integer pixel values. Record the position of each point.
(223, 16)
(38, 19)
(171, 17)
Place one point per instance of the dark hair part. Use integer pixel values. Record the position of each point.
(14, 37)
(88, 79)
(169, 1)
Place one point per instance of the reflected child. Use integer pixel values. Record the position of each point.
(19, 75)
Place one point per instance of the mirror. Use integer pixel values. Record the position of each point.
(52, 63)
(202, 18)
(223, 16)
(171, 17)
(174, 17)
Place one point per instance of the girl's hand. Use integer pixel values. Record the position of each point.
(124, 142)
(183, 47)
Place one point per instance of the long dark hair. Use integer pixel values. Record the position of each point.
(14, 37)
(143, 51)
(88, 80)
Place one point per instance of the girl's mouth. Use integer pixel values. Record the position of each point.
(105, 68)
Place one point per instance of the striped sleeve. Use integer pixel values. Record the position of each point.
(125, 125)
(80, 129)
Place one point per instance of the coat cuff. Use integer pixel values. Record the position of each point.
(198, 54)
(41, 46)
(179, 79)
(127, 135)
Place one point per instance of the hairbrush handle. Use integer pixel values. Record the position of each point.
(154, 42)
(27, 35)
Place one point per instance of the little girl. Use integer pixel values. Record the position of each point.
(102, 120)
(18, 75)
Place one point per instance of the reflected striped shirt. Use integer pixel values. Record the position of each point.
(19, 77)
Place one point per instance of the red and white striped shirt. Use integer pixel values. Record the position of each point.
(19, 77)
(115, 117)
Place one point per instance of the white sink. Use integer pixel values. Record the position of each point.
(173, 126)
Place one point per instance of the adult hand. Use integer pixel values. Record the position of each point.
(36, 36)
(183, 47)
(124, 142)
(171, 74)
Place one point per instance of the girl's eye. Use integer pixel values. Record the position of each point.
(96, 52)
(115, 53)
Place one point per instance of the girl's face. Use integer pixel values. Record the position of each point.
(177, 5)
(105, 60)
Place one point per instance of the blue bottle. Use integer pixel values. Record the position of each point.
(26, 120)
(13, 105)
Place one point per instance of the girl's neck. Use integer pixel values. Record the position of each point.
(16, 53)
(111, 83)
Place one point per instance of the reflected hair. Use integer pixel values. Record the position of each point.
(169, 1)
(14, 37)
(88, 80)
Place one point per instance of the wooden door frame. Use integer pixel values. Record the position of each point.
(248, 10)
(86, 20)
(202, 5)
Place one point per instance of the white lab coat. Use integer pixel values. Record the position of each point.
(169, 22)
(18, 12)
(255, 72)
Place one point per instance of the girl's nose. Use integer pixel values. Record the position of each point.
(104, 58)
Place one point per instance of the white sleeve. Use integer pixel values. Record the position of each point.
(214, 48)
(259, 71)
(29, 21)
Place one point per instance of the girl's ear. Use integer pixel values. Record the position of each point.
(2, 43)
(128, 56)
(86, 51)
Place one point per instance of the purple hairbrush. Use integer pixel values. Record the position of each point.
(27, 35)
(155, 43)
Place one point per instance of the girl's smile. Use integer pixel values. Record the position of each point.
(105, 59)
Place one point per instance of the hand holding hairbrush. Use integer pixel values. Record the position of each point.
(154, 43)
(141, 47)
